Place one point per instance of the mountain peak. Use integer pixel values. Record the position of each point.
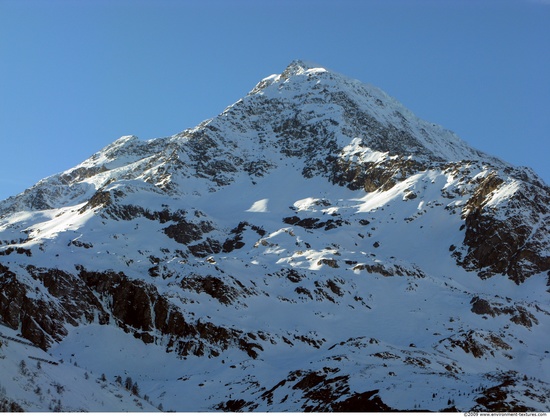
(297, 67)
(306, 92)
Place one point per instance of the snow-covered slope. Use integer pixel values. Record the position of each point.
(33, 380)
(315, 246)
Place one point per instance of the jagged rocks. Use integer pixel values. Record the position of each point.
(362, 402)
(99, 199)
(371, 176)
(502, 396)
(482, 307)
(518, 314)
(512, 244)
(388, 271)
(478, 344)
(138, 307)
(236, 242)
(324, 390)
(186, 232)
(18, 250)
(42, 320)
(214, 287)
(236, 405)
(494, 245)
(328, 262)
(314, 223)
(7, 405)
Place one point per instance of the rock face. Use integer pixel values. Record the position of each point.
(511, 239)
(316, 246)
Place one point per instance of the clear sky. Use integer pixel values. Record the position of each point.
(77, 75)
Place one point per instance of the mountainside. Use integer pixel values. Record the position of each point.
(315, 247)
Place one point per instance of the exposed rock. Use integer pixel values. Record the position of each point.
(236, 405)
(329, 262)
(314, 223)
(388, 271)
(7, 405)
(362, 402)
(373, 176)
(138, 306)
(479, 344)
(185, 232)
(99, 199)
(214, 287)
(497, 398)
(43, 320)
(510, 246)
(482, 307)
(235, 242)
(518, 314)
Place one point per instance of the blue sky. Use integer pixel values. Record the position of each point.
(76, 75)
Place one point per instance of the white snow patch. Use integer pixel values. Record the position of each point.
(503, 193)
(259, 206)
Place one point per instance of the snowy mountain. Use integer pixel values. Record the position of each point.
(315, 247)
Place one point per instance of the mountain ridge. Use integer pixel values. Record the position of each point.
(307, 245)
(296, 68)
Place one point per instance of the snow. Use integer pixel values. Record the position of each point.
(356, 151)
(259, 206)
(59, 221)
(117, 353)
(503, 193)
(45, 383)
(373, 272)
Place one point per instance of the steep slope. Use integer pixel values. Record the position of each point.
(314, 247)
(42, 383)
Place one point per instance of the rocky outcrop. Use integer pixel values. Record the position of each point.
(503, 396)
(139, 308)
(214, 287)
(512, 238)
(105, 297)
(324, 390)
(478, 344)
(65, 300)
(371, 176)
